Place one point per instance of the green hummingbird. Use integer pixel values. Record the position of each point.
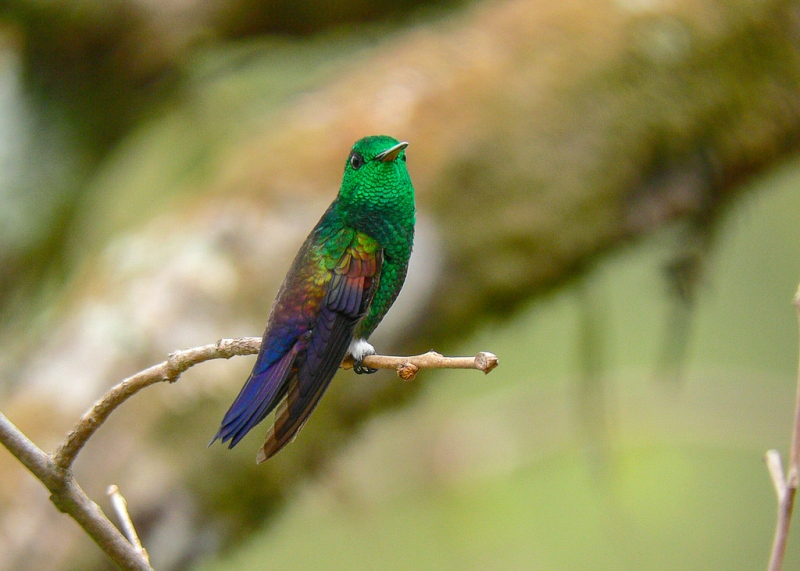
(342, 282)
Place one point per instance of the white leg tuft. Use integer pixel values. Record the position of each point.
(359, 348)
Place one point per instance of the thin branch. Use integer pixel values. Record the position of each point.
(121, 507)
(775, 467)
(179, 361)
(794, 455)
(70, 498)
(55, 471)
(407, 367)
(24, 450)
(168, 371)
(786, 488)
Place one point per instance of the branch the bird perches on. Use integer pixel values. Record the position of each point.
(55, 470)
(407, 367)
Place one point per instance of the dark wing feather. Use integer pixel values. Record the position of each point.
(256, 399)
(350, 292)
(285, 337)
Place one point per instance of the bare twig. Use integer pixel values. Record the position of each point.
(168, 371)
(69, 498)
(785, 487)
(775, 467)
(55, 471)
(407, 367)
(179, 361)
(24, 450)
(121, 507)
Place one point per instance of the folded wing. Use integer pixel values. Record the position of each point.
(312, 323)
(351, 290)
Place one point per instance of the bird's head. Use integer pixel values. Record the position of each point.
(376, 184)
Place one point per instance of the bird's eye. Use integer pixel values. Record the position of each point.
(356, 161)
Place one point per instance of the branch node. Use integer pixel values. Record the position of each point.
(792, 478)
(407, 371)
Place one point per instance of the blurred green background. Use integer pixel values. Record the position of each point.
(517, 471)
(608, 200)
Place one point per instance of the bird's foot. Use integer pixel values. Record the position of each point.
(359, 349)
(362, 370)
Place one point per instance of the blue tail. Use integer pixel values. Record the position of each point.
(258, 397)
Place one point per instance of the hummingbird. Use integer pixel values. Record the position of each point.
(342, 282)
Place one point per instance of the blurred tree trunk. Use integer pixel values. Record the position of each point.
(542, 134)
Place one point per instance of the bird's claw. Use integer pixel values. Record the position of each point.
(362, 370)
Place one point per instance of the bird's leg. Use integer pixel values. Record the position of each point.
(359, 348)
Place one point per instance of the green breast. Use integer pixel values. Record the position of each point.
(377, 199)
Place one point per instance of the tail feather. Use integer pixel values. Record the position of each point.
(256, 400)
(314, 373)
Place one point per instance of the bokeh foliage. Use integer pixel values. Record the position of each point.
(168, 158)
